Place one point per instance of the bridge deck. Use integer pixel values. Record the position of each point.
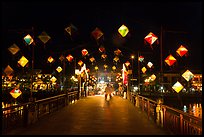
(94, 116)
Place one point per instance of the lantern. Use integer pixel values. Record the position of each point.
(15, 93)
(44, 37)
(23, 61)
(141, 58)
(117, 52)
(8, 70)
(104, 56)
(101, 49)
(116, 59)
(84, 52)
(59, 69)
(80, 63)
(71, 29)
(181, 50)
(97, 33)
(96, 68)
(114, 68)
(50, 59)
(123, 30)
(14, 49)
(144, 69)
(127, 63)
(187, 75)
(170, 60)
(53, 79)
(92, 59)
(28, 39)
(149, 64)
(69, 57)
(151, 38)
(177, 87)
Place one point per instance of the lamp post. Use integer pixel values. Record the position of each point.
(132, 57)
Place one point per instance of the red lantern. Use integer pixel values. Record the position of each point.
(181, 50)
(170, 60)
(84, 52)
(69, 57)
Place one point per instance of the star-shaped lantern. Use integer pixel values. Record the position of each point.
(181, 50)
(14, 49)
(23, 61)
(177, 87)
(28, 39)
(44, 37)
(187, 75)
(170, 60)
(123, 30)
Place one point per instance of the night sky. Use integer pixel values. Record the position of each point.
(181, 22)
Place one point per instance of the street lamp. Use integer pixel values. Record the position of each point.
(132, 57)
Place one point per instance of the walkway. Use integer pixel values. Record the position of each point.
(94, 116)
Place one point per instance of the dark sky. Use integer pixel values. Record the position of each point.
(181, 22)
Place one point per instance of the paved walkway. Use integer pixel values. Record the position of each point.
(94, 116)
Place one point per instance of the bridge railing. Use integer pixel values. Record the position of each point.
(171, 119)
(28, 113)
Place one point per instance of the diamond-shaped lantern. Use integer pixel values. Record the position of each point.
(104, 56)
(149, 64)
(181, 50)
(69, 57)
(53, 79)
(117, 52)
(151, 38)
(127, 63)
(92, 59)
(23, 61)
(59, 69)
(14, 49)
(8, 70)
(114, 68)
(141, 58)
(187, 75)
(96, 68)
(15, 93)
(144, 69)
(105, 66)
(101, 49)
(61, 58)
(80, 63)
(170, 60)
(97, 33)
(28, 39)
(116, 59)
(50, 59)
(44, 37)
(177, 87)
(84, 52)
(123, 30)
(153, 77)
(71, 29)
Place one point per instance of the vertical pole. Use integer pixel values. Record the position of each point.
(31, 89)
(161, 50)
(138, 63)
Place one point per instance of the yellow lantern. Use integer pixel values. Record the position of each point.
(123, 30)
(177, 87)
(23, 61)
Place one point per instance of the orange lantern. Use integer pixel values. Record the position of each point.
(101, 49)
(181, 50)
(8, 70)
(151, 38)
(50, 59)
(117, 52)
(80, 63)
(127, 63)
(170, 60)
(69, 57)
(84, 52)
(15, 93)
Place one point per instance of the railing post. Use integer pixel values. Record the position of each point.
(181, 123)
(137, 100)
(159, 112)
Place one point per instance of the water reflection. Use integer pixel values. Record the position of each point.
(194, 109)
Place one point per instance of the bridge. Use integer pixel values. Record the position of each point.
(67, 114)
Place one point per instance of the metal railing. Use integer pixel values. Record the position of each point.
(28, 113)
(171, 119)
